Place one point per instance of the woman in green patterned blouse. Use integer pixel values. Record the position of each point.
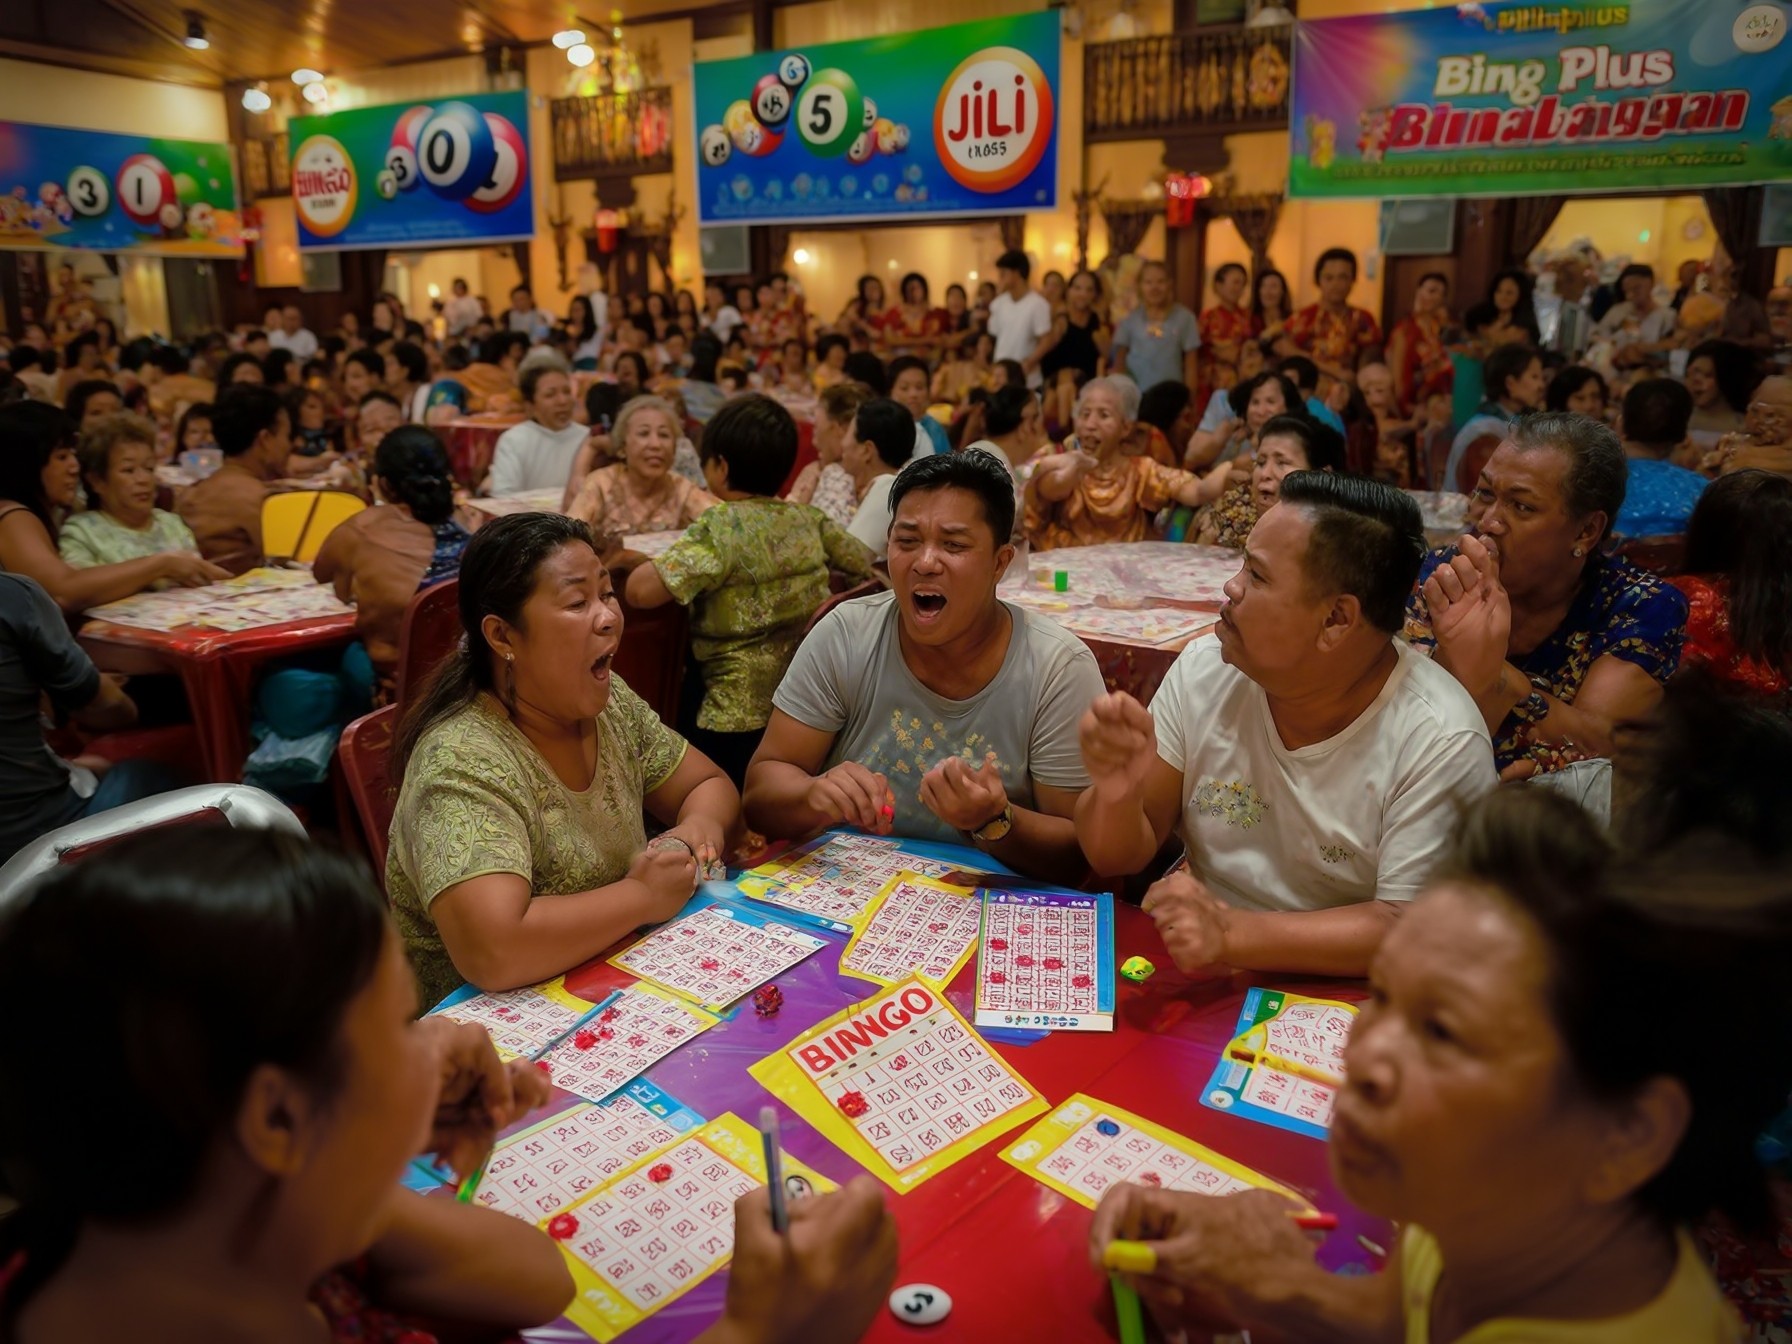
(518, 847)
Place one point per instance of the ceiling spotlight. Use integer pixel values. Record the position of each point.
(196, 38)
(568, 37)
(316, 92)
(801, 256)
(304, 75)
(257, 100)
(581, 55)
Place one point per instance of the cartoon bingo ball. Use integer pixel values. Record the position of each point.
(793, 70)
(324, 189)
(401, 154)
(861, 149)
(144, 186)
(456, 151)
(88, 191)
(884, 133)
(994, 119)
(509, 170)
(715, 146)
(829, 113)
(771, 102)
(870, 112)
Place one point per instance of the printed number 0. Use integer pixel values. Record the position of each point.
(440, 164)
(821, 120)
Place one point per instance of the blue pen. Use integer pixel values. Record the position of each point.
(774, 1167)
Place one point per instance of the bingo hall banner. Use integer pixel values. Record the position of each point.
(949, 121)
(454, 171)
(1514, 99)
(116, 193)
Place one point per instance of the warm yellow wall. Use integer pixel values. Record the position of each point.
(54, 96)
(277, 254)
(1617, 228)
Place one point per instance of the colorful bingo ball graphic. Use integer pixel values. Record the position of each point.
(144, 186)
(88, 191)
(386, 185)
(870, 113)
(456, 151)
(750, 138)
(994, 119)
(771, 102)
(901, 136)
(793, 70)
(715, 146)
(861, 148)
(738, 115)
(884, 133)
(509, 170)
(401, 155)
(829, 113)
(324, 189)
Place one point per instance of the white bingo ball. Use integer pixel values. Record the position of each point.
(171, 216)
(386, 184)
(716, 146)
(401, 166)
(920, 1304)
(89, 192)
(870, 113)
(793, 69)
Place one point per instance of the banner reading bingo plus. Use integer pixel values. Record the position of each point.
(1522, 98)
(116, 193)
(454, 171)
(948, 121)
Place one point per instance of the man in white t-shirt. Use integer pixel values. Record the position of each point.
(1316, 765)
(462, 310)
(538, 454)
(879, 444)
(1019, 319)
(292, 335)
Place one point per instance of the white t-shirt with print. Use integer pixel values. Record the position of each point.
(1018, 325)
(1364, 815)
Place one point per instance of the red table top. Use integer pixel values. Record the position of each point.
(1009, 1250)
(198, 643)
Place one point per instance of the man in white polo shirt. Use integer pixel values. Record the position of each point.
(1314, 763)
(1019, 317)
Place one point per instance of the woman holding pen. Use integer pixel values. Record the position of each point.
(1544, 1148)
(267, 1081)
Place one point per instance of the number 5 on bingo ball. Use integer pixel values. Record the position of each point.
(456, 151)
(144, 186)
(830, 113)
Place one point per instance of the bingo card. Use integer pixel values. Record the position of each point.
(1306, 1034)
(834, 878)
(1087, 1145)
(1047, 961)
(916, 927)
(901, 1083)
(521, 1022)
(717, 954)
(628, 1033)
(664, 1225)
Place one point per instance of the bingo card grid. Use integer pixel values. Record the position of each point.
(715, 955)
(917, 929)
(926, 1086)
(538, 1173)
(520, 1022)
(1090, 1161)
(839, 880)
(631, 1032)
(1060, 947)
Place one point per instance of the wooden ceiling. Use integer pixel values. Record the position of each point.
(255, 39)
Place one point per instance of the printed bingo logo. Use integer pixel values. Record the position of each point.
(994, 118)
(324, 190)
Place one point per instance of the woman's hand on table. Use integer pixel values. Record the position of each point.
(963, 798)
(480, 1093)
(1471, 614)
(856, 796)
(189, 569)
(670, 876)
(822, 1282)
(700, 837)
(1190, 919)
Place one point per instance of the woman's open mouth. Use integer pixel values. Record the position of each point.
(600, 670)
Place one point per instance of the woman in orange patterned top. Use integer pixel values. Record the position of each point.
(1737, 585)
(1416, 352)
(1331, 333)
(1095, 491)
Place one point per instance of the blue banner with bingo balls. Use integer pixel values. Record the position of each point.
(948, 121)
(64, 188)
(455, 172)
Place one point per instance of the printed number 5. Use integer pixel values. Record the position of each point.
(821, 119)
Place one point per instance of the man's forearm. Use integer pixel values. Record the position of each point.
(1039, 845)
(1114, 830)
(1339, 941)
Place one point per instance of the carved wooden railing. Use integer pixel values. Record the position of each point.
(612, 134)
(1223, 79)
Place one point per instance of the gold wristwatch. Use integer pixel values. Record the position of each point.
(998, 827)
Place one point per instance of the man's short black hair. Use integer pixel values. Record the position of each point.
(241, 413)
(378, 397)
(1657, 412)
(1322, 444)
(827, 343)
(412, 360)
(497, 347)
(1503, 365)
(756, 439)
(1228, 267)
(1005, 409)
(1334, 254)
(1368, 540)
(369, 360)
(864, 367)
(1015, 260)
(974, 469)
(888, 426)
(1303, 372)
(1636, 268)
(75, 403)
(901, 365)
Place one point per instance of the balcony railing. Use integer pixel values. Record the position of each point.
(1229, 78)
(266, 171)
(612, 133)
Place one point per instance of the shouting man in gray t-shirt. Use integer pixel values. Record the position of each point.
(936, 710)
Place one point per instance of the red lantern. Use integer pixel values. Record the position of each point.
(608, 224)
(1181, 191)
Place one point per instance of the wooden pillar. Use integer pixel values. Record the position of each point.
(1187, 260)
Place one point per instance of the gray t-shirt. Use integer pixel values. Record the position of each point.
(38, 657)
(849, 679)
(1154, 349)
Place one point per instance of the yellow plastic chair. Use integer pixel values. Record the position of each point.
(294, 524)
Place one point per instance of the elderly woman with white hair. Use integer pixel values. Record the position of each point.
(641, 493)
(1094, 491)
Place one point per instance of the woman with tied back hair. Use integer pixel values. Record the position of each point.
(1738, 583)
(1543, 1156)
(381, 558)
(518, 849)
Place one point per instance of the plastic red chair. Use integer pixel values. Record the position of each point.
(364, 755)
(430, 632)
